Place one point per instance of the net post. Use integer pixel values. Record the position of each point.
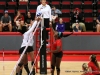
(43, 60)
(36, 51)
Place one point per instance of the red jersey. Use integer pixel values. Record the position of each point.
(56, 43)
(21, 18)
(94, 68)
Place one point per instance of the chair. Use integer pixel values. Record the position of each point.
(67, 23)
(22, 11)
(3, 0)
(66, 5)
(87, 5)
(35, 0)
(98, 12)
(88, 12)
(33, 4)
(11, 12)
(89, 23)
(23, 5)
(2, 4)
(12, 5)
(65, 13)
(67, 0)
(98, 5)
(1, 13)
(33, 12)
(77, 4)
(56, 4)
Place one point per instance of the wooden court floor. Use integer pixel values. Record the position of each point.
(65, 66)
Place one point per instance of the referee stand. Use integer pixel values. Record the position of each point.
(43, 55)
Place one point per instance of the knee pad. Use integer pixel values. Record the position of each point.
(58, 69)
(20, 64)
(52, 67)
(32, 63)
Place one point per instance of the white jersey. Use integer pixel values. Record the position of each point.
(27, 36)
(45, 10)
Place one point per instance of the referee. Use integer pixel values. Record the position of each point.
(45, 9)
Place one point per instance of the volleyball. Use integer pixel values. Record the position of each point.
(38, 14)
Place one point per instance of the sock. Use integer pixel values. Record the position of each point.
(26, 68)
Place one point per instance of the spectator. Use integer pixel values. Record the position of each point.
(94, 66)
(85, 69)
(6, 22)
(28, 19)
(19, 19)
(77, 27)
(60, 26)
(77, 16)
(55, 13)
(98, 24)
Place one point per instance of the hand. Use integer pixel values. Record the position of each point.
(38, 18)
(50, 23)
(4, 24)
(74, 12)
(77, 27)
(48, 51)
(79, 30)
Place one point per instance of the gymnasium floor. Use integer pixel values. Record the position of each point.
(69, 62)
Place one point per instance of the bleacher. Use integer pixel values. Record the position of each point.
(89, 8)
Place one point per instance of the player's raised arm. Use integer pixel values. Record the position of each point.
(36, 22)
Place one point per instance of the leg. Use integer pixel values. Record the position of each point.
(22, 23)
(0, 27)
(97, 27)
(53, 61)
(10, 27)
(58, 65)
(19, 67)
(32, 59)
(25, 62)
(83, 26)
(26, 65)
(18, 24)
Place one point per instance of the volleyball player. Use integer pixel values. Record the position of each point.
(56, 51)
(93, 65)
(26, 38)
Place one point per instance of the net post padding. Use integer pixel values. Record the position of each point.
(37, 45)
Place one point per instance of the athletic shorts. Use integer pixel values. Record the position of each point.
(59, 54)
(29, 49)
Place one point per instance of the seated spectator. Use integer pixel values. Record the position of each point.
(77, 16)
(93, 65)
(98, 23)
(19, 19)
(6, 22)
(85, 69)
(60, 26)
(55, 13)
(77, 27)
(28, 19)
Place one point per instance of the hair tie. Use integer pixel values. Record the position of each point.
(59, 33)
